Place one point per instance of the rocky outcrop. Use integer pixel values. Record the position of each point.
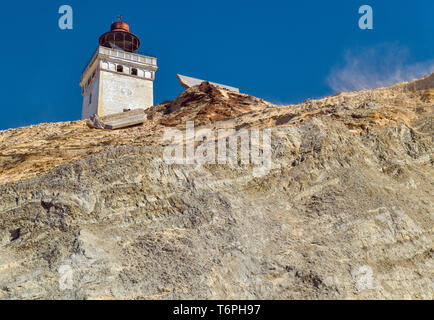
(346, 211)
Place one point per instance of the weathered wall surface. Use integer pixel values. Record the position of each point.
(92, 108)
(120, 92)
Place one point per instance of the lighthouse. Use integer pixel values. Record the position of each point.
(118, 76)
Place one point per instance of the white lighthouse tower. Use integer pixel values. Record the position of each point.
(117, 77)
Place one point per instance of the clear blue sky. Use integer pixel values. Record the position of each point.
(282, 51)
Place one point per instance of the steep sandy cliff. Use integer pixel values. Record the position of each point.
(346, 210)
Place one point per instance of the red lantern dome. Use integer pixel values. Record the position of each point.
(120, 37)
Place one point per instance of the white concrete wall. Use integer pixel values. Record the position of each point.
(119, 91)
(113, 91)
(92, 108)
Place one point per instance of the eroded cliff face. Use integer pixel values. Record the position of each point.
(346, 210)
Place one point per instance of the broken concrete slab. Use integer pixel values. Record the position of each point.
(128, 122)
(118, 120)
(188, 82)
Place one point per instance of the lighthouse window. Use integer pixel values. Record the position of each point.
(90, 98)
(119, 68)
(134, 71)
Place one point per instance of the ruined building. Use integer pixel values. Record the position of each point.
(117, 76)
